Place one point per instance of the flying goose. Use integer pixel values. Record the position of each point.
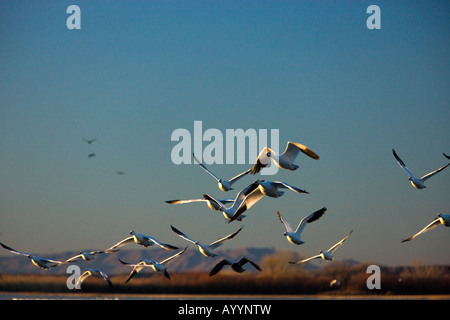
(294, 237)
(245, 199)
(417, 183)
(284, 160)
(206, 249)
(235, 266)
(327, 255)
(443, 219)
(89, 141)
(155, 265)
(213, 205)
(85, 255)
(224, 185)
(37, 261)
(142, 240)
(93, 272)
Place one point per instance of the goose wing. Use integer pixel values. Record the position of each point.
(304, 260)
(204, 168)
(252, 198)
(402, 164)
(173, 257)
(286, 224)
(219, 267)
(219, 242)
(14, 250)
(310, 218)
(244, 260)
(161, 244)
(429, 175)
(280, 184)
(182, 235)
(293, 148)
(337, 245)
(122, 243)
(430, 226)
(240, 175)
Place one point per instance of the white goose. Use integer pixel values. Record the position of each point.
(245, 199)
(37, 261)
(211, 204)
(142, 240)
(93, 272)
(85, 255)
(155, 265)
(443, 219)
(417, 183)
(284, 160)
(325, 255)
(224, 185)
(294, 237)
(206, 249)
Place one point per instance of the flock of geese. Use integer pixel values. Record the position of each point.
(243, 201)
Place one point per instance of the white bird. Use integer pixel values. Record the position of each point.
(284, 160)
(37, 261)
(272, 188)
(89, 141)
(93, 272)
(294, 237)
(245, 199)
(443, 219)
(235, 266)
(142, 240)
(206, 249)
(85, 255)
(224, 185)
(325, 255)
(155, 265)
(417, 183)
(213, 205)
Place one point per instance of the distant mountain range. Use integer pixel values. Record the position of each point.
(191, 260)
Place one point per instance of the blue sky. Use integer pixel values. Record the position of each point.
(137, 71)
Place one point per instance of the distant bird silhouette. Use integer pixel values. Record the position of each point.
(417, 183)
(89, 141)
(91, 155)
(235, 266)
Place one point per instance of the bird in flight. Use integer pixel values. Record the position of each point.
(294, 237)
(89, 141)
(235, 266)
(142, 240)
(284, 160)
(206, 249)
(417, 183)
(93, 272)
(37, 261)
(325, 255)
(443, 219)
(224, 185)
